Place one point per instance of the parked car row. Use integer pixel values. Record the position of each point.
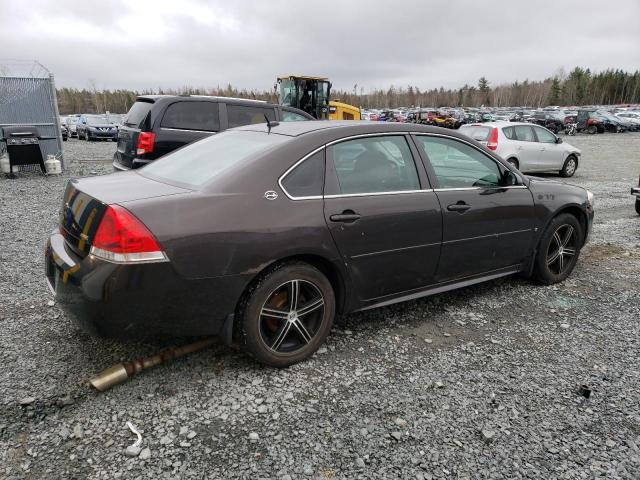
(588, 120)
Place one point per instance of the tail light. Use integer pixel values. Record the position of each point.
(145, 143)
(492, 142)
(122, 238)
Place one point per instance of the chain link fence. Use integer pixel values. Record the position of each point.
(28, 97)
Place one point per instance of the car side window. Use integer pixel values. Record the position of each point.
(509, 133)
(544, 136)
(307, 179)
(375, 165)
(458, 165)
(292, 117)
(202, 116)
(524, 133)
(239, 115)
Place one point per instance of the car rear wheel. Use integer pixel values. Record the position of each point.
(570, 166)
(559, 249)
(592, 129)
(514, 163)
(638, 206)
(287, 314)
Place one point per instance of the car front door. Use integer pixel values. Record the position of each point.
(550, 151)
(382, 214)
(528, 149)
(487, 213)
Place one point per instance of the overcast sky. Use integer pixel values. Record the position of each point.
(142, 44)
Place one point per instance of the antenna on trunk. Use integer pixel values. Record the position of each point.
(270, 124)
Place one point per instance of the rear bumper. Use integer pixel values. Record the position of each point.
(137, 301)
(635, 191)
(121, 165)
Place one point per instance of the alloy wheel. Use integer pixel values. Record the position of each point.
(291, 316)
(570, 169)
(562, 249)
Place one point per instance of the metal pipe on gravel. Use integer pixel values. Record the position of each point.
(123, 371)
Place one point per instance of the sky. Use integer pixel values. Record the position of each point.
(151, 44)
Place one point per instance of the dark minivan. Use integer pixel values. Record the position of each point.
(159, 124)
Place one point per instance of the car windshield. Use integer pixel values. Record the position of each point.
(202, 161)
(97, 120)
(477, 132)
(71, 120)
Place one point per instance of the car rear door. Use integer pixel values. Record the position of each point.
(184, 122)
(238, 115)
(527, 148)
(487, 225)
(551, 153)
(382, 214)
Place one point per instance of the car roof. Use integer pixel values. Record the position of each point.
(345, 128)
(498, 124)
(212, 98)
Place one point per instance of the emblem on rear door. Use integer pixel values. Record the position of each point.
(270, 195)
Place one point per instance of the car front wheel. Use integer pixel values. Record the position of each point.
(559, 249)
(287, 314)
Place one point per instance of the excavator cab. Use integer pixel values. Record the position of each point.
(310, 94)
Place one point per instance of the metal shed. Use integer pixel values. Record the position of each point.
(28, 97)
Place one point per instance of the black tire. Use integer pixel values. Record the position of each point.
(570, 166)
(280, 336)
(514, 162)
(87, 137)
(638, 206)
(592, 129)
(558, 250)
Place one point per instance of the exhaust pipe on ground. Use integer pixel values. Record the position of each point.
(122, 371)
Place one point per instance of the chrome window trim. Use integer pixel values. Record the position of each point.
(399, 192)
(375, 194)
(290, 169)
(188, 130)
(478, 188)
(318, 197)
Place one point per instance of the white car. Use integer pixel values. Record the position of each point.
(528, 147)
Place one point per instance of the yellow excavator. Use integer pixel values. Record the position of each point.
(311, 94)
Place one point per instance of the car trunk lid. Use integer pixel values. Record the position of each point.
(86, 200)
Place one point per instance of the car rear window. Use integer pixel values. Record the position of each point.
(201, 116)
(202, 161)
(138, 114)
(479, 133)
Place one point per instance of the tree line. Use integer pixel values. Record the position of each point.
(580, 86)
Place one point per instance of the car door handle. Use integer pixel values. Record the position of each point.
(459, 207)
(347, 216)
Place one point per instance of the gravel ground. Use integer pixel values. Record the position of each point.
(478, 383)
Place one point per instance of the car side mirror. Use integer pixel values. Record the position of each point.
(509, 179)
(558, 140)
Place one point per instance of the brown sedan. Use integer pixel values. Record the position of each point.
(268, 231)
